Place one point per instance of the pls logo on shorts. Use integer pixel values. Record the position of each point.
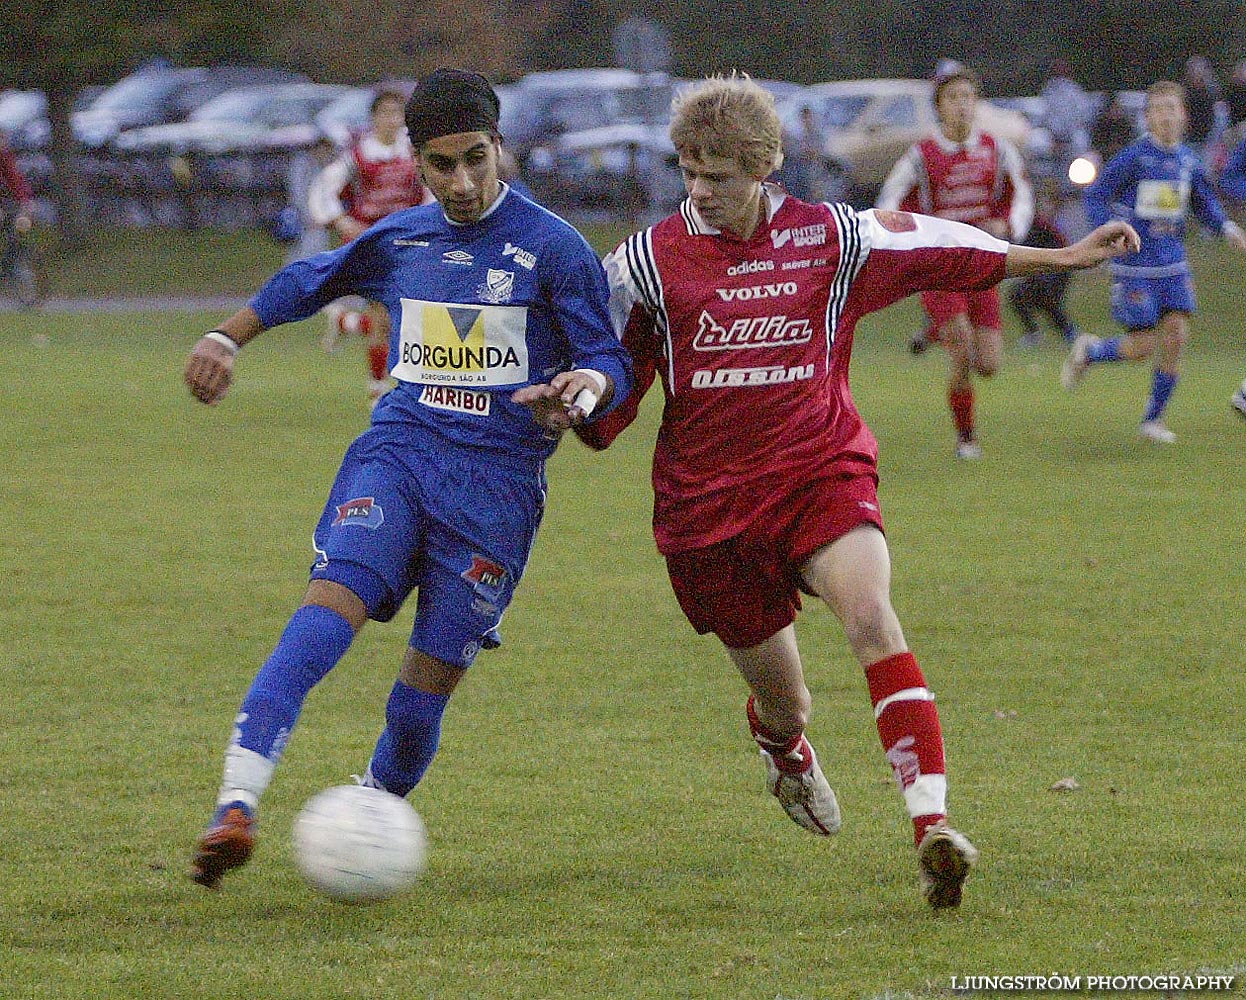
(485, 576)
(362, 512)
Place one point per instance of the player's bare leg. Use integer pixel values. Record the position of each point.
(778, 710)
(962, 351)
(853, 576)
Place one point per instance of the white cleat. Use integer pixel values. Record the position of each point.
(806, 796)
(1075, 365)
(1238, 402)
(968, 451)
(1154, 430)
(944, 858)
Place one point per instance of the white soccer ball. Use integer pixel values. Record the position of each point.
(359, 844)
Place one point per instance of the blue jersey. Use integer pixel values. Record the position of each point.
(476, 311)
(1153, 187)
(1233, 176)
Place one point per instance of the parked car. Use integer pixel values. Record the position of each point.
(24, 118)
(550, 103)
(266, 117)
(162, 93)
(351, 112)
(869, 124)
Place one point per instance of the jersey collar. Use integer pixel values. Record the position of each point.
(503, 188)
(773, 197)
(948, 146)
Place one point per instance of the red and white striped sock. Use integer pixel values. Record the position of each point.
(908, 724)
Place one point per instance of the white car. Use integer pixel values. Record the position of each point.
(868, 124)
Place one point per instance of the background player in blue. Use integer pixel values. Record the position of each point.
(1233, 185)
(500, 338)
(1152, 184)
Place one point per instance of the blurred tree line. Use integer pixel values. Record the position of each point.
(61, 47)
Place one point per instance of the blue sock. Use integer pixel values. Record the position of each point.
(1105, 350)
(1162, 386)
(409, 742)
(314, 640)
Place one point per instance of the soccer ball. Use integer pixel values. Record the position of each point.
(359, 844)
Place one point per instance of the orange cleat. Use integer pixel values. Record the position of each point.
(227, 843)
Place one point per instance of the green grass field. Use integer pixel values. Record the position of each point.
(598, 823)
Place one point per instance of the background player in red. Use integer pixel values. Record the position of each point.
(375, 176)
(970, 176)
(765, 477)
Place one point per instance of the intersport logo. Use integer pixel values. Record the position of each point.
(801, 236)
(751, 331)
(757, 292)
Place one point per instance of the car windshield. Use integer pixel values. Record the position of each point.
(840, 111)
(19, 106)
(137, 91)
(234, 105)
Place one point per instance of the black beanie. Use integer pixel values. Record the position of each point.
(449, 101)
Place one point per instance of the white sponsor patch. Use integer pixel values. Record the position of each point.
(473, 346)
(800, 236)
(524, 258)
(444, 397)
(1162, 199)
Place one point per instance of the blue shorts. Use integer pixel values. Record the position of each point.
(449, 522)
(1139, 303)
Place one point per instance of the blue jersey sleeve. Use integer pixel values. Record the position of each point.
(575, 284)
(1107, 188)
(1203, 200)
(304, 287)
(1233, 177)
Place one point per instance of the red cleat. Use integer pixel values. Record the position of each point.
(226, 844)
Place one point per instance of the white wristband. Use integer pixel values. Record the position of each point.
(598, 379)
(225, 340)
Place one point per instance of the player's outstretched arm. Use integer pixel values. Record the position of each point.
(210, 367)
(1112, 239)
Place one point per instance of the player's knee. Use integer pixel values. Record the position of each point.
(869, 621)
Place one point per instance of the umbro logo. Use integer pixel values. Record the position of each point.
(457, 257)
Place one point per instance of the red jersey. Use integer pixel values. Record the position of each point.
(13, 183)
(368, 182)
(752, 341)
(977, 181)
(383, 184)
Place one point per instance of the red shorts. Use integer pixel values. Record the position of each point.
(982, 308)
(746, 588)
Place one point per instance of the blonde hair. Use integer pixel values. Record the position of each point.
(729, 116)
(1165, 88)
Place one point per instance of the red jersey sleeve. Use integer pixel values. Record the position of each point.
(910, 253)
(640, 341)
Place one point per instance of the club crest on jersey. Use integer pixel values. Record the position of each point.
(498, 286)
(800, 236)
(896, 222)
(362, 512)
(486, 577)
